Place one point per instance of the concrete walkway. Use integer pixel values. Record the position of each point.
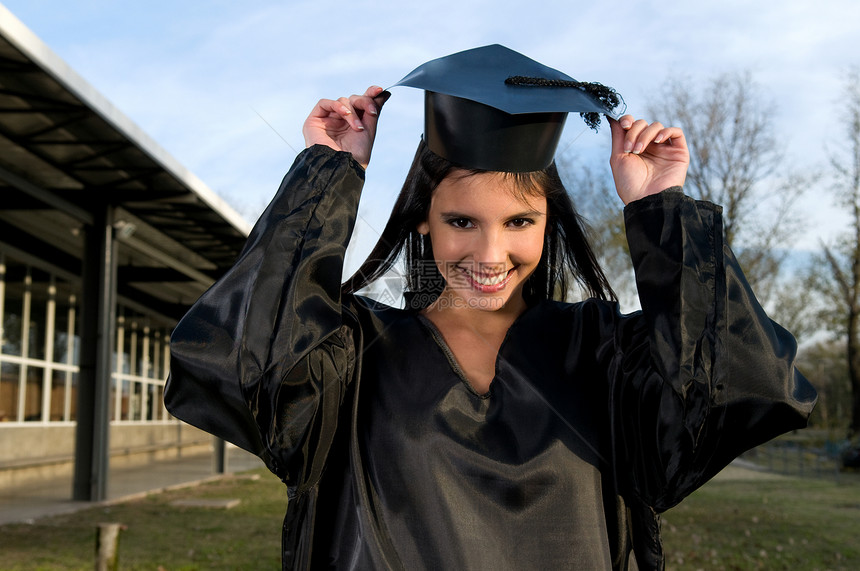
(27, 503)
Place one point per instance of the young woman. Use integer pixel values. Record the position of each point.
(486, 425)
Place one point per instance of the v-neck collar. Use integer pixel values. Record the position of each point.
(437, 336)
(452, 360)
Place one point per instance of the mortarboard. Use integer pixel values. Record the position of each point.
(492, 108)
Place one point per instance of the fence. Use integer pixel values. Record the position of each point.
(805, 459)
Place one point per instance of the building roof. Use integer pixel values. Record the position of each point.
(66, 153)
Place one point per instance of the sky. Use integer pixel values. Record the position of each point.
(224, 86)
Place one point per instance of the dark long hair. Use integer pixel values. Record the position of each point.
(567, 255)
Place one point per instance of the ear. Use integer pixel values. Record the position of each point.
(423, 228)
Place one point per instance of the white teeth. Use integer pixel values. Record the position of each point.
(487, 281)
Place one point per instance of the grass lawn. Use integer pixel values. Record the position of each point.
(766, 523)
(160, 535)
(763, 523)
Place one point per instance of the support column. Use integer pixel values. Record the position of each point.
(219, 458)
(98, 318)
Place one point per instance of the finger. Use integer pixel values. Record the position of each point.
(348, 112)
(324, 108)
(373, 91)
(631, 137)
(328, 110)
(364, 105)
(369, 105)
(372, 100)
(669, 134)
(618, 135)
(645, 136)
(381, 99)
(625, 121)
(365, 102)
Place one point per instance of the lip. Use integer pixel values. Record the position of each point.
(489, 283)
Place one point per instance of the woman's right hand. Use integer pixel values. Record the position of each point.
(347, 124)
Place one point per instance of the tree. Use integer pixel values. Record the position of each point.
(596, 200)
(841, 259)
(735, 162)
(824, 365)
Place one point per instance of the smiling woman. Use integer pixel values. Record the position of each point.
(565, 245)
(487, 242)
(485, 238)
(487, 424)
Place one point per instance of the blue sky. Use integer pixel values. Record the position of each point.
(224, 86)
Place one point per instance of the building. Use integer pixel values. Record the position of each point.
(105, 240)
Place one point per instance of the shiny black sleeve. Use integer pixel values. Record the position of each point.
(264, 357)
(701, 374)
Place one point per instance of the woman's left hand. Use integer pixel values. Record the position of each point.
(646, 158)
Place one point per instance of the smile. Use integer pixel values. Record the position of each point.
(488, 283)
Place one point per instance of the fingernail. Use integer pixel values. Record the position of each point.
(658, 138)
(638, 148)
(628, 146)
(626, 123)
(372, 111)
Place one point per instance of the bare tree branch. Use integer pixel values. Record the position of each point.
(842, 259)
(737, 163)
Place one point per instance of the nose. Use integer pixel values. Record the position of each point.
(491, 252)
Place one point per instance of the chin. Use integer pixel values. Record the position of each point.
(481, 301)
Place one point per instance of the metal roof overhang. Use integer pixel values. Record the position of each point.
(66, 152)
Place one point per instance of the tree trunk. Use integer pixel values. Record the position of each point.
(854, 368)
(107, 546)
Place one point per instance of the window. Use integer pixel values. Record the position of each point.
(140, 367)
(40, 351)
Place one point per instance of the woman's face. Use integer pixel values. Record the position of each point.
(487, 238)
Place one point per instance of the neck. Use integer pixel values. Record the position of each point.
(448, 307)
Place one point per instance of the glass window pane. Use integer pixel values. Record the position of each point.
(64, 347)
(145, 397)
(144, 358)
(58, 396)
(126, 347)
(135, 402)
(9, 374)
(13, 307)
(123, 402)
(38, 314)
(72, 396)
(156, 402)
(33, 394)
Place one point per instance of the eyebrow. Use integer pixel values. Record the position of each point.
(523, 214)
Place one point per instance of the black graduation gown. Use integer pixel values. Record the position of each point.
(595, 422)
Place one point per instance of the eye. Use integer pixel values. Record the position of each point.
(461, 223)
(520, 222)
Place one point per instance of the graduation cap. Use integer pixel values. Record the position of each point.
(492, 108)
